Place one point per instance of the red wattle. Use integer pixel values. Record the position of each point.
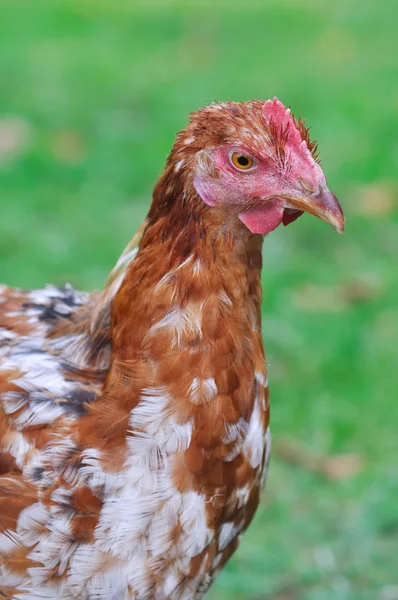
(263, 219)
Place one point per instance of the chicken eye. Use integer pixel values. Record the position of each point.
(241, 161)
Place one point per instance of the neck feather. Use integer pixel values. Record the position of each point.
(189, 254)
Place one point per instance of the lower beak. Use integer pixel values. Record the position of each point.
(323, 205)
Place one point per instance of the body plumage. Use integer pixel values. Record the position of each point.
(134, 422)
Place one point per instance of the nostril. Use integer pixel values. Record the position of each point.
(306, 185)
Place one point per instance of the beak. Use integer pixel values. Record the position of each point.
(323, 205)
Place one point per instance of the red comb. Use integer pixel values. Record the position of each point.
(290, 130)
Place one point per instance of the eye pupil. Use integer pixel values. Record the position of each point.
(243, 160)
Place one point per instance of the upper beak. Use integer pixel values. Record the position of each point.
(323, 205)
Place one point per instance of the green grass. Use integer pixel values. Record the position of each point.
(92, 93)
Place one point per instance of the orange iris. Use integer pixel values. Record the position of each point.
(241, 161)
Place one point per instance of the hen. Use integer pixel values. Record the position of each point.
(134, 429)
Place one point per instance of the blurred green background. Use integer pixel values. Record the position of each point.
(92, 94)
